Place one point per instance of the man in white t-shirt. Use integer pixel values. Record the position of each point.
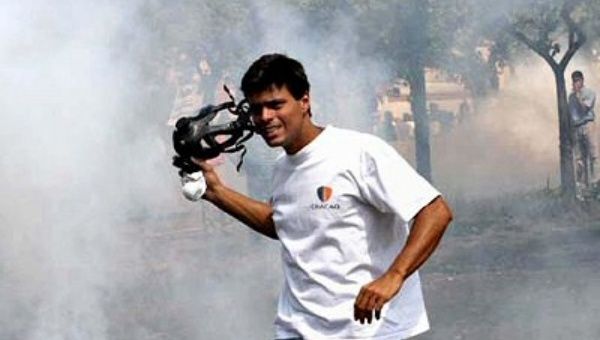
(341, 207)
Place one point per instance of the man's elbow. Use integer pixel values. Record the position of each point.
(448, 214)
(436, 214)
(444, 213)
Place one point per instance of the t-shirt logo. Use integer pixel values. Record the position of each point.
(324, 193)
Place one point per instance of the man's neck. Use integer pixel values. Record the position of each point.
(309, 132)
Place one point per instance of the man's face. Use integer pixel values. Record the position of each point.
(577, 84)
(280, 118)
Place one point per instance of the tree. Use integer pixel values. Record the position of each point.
(396, 33)
(539, 29)
(412, 35)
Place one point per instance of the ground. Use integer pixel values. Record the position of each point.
(522, 267)
(518, 267)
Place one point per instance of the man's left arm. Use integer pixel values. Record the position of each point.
(429, 225)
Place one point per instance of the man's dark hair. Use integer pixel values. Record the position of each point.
(577, 75)
(275, 70)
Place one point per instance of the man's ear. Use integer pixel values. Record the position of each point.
(305, 102)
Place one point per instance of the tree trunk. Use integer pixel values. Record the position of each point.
(567, 173)
(419, 43)
(418, 104)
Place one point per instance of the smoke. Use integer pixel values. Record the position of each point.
(342, 80)
(69, 165)
(96, 242)
(509, 144)
(519, 264)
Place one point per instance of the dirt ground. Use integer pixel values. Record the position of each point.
(522, 267)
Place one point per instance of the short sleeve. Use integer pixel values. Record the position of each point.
(390, 184)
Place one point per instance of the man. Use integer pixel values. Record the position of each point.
(581, 108)
(340, 207)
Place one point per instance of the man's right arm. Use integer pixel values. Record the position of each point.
(587, 99)
(255, 214)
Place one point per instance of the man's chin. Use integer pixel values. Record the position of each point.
(272, 142)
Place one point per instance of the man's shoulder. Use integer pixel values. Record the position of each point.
(367, 146)
(355, 137)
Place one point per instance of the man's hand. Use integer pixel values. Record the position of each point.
(427, 230)
(373, 296)
(213, 182)
(255, 214)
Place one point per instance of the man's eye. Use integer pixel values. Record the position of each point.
(254, 109)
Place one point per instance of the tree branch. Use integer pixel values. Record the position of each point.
(576, 36)
(540, 49)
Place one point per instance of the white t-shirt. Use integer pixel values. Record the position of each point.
(341, 208)
(582, 109)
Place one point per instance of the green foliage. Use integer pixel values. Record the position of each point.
(386, 31)
(543, 23)
(215, 29)
(445, 35)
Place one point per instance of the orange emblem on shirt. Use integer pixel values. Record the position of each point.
(324, 193)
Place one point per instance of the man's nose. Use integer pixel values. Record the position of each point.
(265, 114)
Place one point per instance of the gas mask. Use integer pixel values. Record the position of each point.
(199, 138)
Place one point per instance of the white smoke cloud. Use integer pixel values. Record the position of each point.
(64, 99)
(96, 241)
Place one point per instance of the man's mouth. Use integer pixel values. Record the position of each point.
(270, 129)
